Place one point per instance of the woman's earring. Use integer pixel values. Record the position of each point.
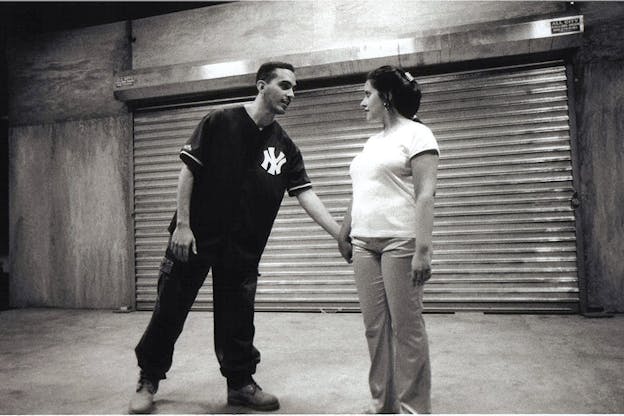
(387, 105)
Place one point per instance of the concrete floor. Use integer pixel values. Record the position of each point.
(82, 362)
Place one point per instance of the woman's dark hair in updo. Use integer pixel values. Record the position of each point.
(391, 81)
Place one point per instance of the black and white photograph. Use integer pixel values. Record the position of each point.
(312, 207)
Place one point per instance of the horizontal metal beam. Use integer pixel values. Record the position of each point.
(495, 39)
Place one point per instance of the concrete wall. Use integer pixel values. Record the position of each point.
(66, 75)
(70, 149)
(599, 73)
(64, 118)
(70, 217)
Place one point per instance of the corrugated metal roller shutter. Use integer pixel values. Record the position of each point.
(504, 232)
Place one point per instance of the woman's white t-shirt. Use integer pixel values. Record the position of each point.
(383, 189)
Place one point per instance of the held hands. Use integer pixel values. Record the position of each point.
(421, 268)
(182, 243)
(345, 248)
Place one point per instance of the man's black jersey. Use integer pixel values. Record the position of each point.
(240, 175)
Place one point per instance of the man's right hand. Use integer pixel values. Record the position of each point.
(346, 249)
(182, 242)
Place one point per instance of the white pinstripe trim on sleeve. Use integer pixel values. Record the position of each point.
(305, 185)
(192, 157)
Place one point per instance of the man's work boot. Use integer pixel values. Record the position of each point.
(143, 399)
(252, 396)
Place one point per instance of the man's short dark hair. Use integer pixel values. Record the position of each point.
(266, 72)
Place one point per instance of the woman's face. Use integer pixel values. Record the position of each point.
(372, 103)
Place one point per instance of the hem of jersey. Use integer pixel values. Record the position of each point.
(192, 157)
(307, 185)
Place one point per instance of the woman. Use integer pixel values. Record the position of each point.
(389, 225)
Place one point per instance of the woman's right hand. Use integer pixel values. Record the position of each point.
(182, 243)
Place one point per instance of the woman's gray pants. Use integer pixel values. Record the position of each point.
(400, 373)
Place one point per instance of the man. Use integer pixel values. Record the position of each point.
(237, 165)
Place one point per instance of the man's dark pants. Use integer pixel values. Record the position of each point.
(234, 290)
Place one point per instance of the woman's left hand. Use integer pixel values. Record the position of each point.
(421, 269)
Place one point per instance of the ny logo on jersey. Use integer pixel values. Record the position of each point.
(271, 163)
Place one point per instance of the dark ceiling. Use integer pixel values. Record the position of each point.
(41, 17)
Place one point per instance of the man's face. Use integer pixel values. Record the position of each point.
(279, 92)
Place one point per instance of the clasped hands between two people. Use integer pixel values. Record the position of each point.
(183, 243)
